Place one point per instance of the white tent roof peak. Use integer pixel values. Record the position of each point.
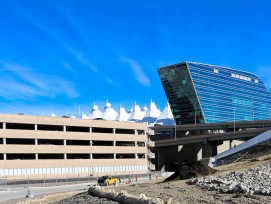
(166, 117)
(107, 105)
(109, 113)
(95, 107)
(152, 114)
(95, 112)
(153, 110)
(122, 115)
(144, 108)
(136, 114)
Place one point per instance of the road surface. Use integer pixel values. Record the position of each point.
(20, 192)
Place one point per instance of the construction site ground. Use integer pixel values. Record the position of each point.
(180, 191)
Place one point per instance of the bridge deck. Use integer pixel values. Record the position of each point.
(248, 130)
(216, 126)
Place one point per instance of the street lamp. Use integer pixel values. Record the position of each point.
(195, 113)
(234, 119)
(253, 110)
(175, 133)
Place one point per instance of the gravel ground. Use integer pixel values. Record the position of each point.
(182, 193)
(85, 198)
(252, 181)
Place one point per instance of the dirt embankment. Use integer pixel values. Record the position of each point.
(192, 169)
(180, 192)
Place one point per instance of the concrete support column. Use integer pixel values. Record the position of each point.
(4, 141)
(36, 141)
(160, 160)
(136, 144)
(36, 157)
(90, 142)
(199, 154)
(4, 125)
(114, 130)
(136, 156)
(90, 129)
(210, 149)
(64, 128)
(36, 127)
(65, 156)
(115, 156)
(114, 143)
(180, 148)
(145, 132)
(5, 157)
(64, 142)
(90, 156)
(136, 133)
(230, 143)
(214, 149)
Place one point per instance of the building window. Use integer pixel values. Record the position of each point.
(216, 71)
(256, 81)
(240, 77)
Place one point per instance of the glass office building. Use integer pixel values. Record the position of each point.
(202, 93)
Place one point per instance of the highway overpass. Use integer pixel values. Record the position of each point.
(184, 143)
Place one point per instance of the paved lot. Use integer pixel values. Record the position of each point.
(20, 192)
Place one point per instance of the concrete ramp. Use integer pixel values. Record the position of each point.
(250, 143)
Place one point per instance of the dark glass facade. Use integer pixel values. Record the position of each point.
(201, 93)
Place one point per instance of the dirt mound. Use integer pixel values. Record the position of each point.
(189, 170)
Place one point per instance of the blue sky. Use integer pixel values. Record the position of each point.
(56, 55)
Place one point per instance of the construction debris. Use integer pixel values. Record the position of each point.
(192, 169)
(252, 181)
(124, 197)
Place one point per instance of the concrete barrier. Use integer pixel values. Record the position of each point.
(29, 193)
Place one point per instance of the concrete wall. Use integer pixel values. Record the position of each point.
(227, 145)
(64, 166)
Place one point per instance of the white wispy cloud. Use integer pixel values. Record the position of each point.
(81, 58)
(109, 80)
(57, 35)
(20, 82)
(140, 76)
(67, 66)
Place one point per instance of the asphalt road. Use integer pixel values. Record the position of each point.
(20, 192)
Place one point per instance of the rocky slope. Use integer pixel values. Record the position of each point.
(252, 181)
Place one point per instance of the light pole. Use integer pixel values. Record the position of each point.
(195, 113)
(253, 110)
(234, 119)
(79, 112)
(175, 130)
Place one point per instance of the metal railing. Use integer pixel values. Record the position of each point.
(6, 182)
